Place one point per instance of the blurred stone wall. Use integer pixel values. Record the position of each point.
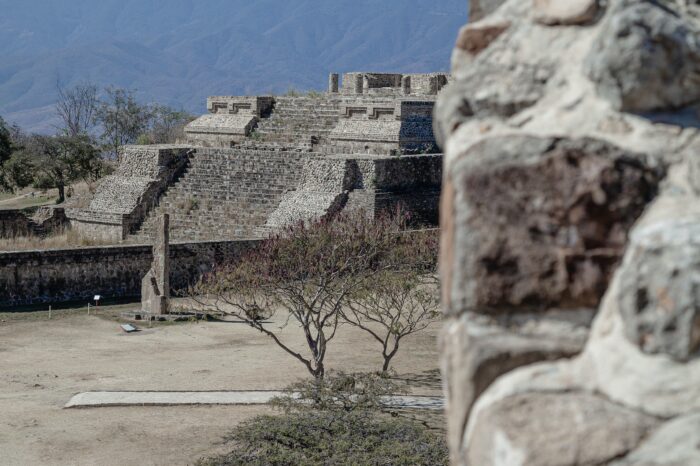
(570, 224)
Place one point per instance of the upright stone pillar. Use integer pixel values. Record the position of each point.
(333, 81)
(155, 287)
(406, 85)
(365, 84)
(161, 256)
(359, 83)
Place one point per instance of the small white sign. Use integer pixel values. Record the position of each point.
(97, 297)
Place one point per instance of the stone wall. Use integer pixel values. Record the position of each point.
(123, 200)
(226, 193)
(392, 84)
(14, 223)
(230, 120)
(384, 126)
(570, 231)
(62, 275)
(44, 220)
(372, 183)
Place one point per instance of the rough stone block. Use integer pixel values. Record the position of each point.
(552, 429)
(565, 12)
(646, 58)
(539, 222)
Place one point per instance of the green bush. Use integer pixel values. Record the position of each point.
(317, 437)
(339, 391)
(336, 420)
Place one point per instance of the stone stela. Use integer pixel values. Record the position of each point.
(155, 287)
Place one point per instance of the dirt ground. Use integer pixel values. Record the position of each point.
(45, 362)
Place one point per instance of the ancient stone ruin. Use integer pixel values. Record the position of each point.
(252, 165)
(155, 286)
(571, 234)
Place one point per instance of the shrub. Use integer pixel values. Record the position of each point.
(332, 438)
(339, 391)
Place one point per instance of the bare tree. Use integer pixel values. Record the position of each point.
(393, 306)
(167, 125)
(122, 119)
(77, 108)
(308, 271)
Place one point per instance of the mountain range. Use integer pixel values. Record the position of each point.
(178, 52)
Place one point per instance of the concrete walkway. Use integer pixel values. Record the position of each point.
(106, 399)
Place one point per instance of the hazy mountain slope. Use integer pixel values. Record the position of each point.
(180, 51)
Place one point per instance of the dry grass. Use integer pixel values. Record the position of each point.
(66, 238)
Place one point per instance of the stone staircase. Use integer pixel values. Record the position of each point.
(225, 194)
(299, 120)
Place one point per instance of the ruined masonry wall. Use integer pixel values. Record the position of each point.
(17, 222)
(14, 223)
(53, 276)
(371, 183)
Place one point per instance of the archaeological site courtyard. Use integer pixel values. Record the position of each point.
(497, 265)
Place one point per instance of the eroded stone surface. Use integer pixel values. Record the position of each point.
(550, 182)
(155, 286)
(555, 429)
(503, 91)
(660, 290)
(477, 350)
(542, 222)
(474, 38)
(566, 12)
(674, 443)
(646, 58)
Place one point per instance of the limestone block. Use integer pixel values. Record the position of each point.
(224, 124)
(675, 443)
(660, 290)
(333, 82)
(663, 379)
(566, 12)
(475, 37)
(646, 58)
(490, 90)
(538, 222)
(152, 300)
(552, 429)
(476, 351)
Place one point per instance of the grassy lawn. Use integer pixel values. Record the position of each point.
(23, 198)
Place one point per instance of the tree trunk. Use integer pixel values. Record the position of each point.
(320, 372)
(61, 194)
(387, 361)
(389, 357)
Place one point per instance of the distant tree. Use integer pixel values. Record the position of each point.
(15, 169)
(77, 108)
(308, 270)
(166, 125)
(6, 149)
(58, 161)
(5, 141)
(122, 119)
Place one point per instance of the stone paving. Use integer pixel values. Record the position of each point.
(111, 399)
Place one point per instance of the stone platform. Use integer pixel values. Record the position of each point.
(174, 398)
